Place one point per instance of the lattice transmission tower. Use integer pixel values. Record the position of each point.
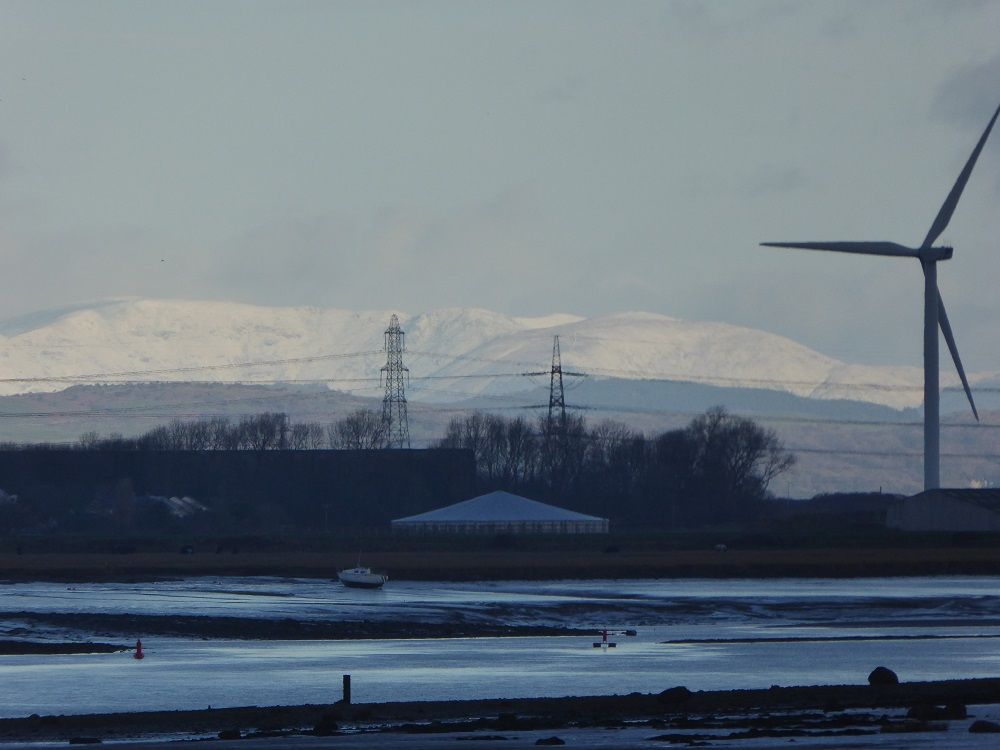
(395, 373)
(557, 396)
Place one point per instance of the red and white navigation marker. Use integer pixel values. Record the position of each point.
(604, 644)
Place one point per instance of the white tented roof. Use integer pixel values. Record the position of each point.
(497, 507)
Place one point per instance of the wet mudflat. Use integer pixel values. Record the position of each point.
(705, 634)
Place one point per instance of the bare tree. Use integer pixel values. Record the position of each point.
(199, 436)
(363, 430)
(223, 436)
(305, 436)
(468, 432)
(267, 431)
(520, 451)
(735, 453)
(89, 441)
(505, 450)
(563, 451)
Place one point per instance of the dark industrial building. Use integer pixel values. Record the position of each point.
(947, 510)
(311, 487)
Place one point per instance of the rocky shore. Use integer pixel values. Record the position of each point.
(676, 713)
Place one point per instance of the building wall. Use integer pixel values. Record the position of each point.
(352, 488)
(930, 512)
(504, 527)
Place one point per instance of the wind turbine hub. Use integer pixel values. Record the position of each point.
(936, 253)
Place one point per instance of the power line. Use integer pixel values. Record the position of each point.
(98, 378)
(793, 419)
(469, 358)
(461, 410)
(744, 381)
(709, 379)
(463, 394)
(823, 451)
(892, 454)
(633, 373)
(126, 411)
(192, 368)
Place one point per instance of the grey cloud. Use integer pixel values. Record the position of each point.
(300, 260)
(720, 19)
(400, 256)
(968, 98)
(73, 266)
(6, 161)
(775, 178)
(846, 308)
(840, 26)
(970, 94)
(479, 251)
(565, 90)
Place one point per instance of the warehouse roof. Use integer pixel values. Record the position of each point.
(988, 498)
(494, 507)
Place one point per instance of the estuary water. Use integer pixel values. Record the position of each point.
(705, 634)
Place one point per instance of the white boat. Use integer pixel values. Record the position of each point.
(362, 578)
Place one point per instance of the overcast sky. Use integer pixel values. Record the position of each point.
(527, 157)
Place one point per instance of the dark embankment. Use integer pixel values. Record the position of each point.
(506, 714)
(286, 629)
(527, 562)
(15, 648)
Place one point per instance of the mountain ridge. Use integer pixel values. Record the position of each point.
(484, 351)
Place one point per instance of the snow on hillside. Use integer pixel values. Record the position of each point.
(647, 346)
(181, 340)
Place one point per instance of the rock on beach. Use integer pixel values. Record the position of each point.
(882, 677)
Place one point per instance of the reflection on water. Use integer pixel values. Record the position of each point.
(187, 673)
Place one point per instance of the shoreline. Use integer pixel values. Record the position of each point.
(516, 564)
(674, 708)
(12, 647)
(281, 629)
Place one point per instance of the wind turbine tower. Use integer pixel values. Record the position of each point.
(934, 312)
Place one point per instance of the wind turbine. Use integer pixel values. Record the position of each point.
(934, 313)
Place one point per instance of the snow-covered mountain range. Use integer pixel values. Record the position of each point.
(451, 353)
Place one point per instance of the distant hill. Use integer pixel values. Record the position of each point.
(182, 340)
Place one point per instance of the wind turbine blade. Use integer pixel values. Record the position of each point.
(861, 248)
(944, 215)
(950, 338)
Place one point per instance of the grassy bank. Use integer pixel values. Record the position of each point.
(521, 562)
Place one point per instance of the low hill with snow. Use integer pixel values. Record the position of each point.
(452, 354)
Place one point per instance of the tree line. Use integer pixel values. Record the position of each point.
(716, 469)
(362, 430)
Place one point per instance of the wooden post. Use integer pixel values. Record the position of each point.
(347, 688)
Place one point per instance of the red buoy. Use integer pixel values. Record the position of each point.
(138, 650)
